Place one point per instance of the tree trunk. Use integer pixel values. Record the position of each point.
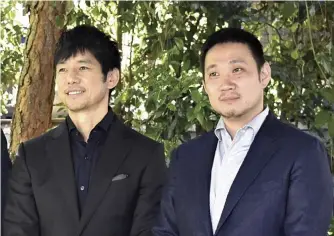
(32, 116)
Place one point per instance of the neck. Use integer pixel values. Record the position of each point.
(85, 120)
(233, 124)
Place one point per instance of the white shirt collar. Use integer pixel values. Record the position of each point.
(254, 124)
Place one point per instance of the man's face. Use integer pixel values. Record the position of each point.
(81, 83)
(232, 81)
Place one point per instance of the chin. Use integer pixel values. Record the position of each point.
(76, 108)
(231, 114)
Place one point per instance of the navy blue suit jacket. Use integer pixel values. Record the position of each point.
(283, 188)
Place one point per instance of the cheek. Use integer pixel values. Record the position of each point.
(60, 82)
(213, 97)
(212, 89)
(59, 86)
(252, 92)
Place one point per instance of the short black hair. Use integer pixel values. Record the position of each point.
(234, 35)
(88, 38)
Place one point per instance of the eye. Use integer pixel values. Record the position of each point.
(83, 68)
(237, 70)
(213, 74)
(62, 70)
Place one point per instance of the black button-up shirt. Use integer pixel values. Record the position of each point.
(85, 154)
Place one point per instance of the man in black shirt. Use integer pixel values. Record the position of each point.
(92, 175)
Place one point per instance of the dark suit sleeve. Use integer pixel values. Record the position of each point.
(20, 216)
(166, 223)
(6, 165)
(310, 198)
(149, 197)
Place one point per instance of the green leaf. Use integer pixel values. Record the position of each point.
(190, 114)
(171, 107)
(328, 93)
(196, 96)
(158, 114)
(326, 64)
(288, 9)
(322, 118)
(294, 27)
(96, 11)
(200, 118)
(197, 108)
(179, 43)
(60, 21)
(69, 7)
(156, 49)
(294, 54)
(208, 124)
(186, 65)
(171, 129)
(331, 127)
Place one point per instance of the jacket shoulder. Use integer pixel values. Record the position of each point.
(199, 141)
(139, 139)
(291, 133)
(39, 141)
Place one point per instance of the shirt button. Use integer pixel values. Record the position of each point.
(82, 188)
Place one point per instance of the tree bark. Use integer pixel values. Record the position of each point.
(32, 116)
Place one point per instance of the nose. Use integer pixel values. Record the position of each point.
(227, 83)
(72, 77)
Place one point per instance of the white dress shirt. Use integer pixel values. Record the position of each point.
(229, 156)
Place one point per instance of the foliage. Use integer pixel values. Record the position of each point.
(161, 90)
(12, 36)
(331, 229)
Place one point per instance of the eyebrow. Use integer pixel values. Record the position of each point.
(234, 61)
(85, 61)
(237, 61)
(210, 67)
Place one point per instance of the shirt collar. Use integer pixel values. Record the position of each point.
(254, 124)
(103, 124)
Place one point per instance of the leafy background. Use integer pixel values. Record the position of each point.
(161, 93)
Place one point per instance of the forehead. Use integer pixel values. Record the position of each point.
(229, 51)
(80, 57)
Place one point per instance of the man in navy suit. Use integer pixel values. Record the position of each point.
(253, 175)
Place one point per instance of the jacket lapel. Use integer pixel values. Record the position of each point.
(59, 152)
(116, 146)
(258, 156)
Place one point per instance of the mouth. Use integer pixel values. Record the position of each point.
(74, 92)
(228, 98)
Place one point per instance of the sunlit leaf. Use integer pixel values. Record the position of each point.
(322, 118)
(331, 126)
(288, 9)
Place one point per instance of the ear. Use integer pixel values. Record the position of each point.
(265, 74)
(112, 78)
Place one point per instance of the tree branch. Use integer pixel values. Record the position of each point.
(311, 40)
